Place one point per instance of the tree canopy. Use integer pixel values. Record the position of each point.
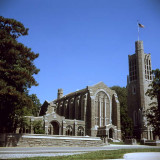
(16, 74)
(154, 91)
(126, 122)
(153, 114)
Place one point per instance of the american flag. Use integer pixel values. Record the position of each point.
(141, 25)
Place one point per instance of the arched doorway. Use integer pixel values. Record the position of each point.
(55, 128)
(111, 131)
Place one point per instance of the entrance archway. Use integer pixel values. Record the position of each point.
(111, 131)
(55, 128)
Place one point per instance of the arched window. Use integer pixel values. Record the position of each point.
(133, 89)
(135, 118)
(69, 130)
(102, 109)
(139, 116)
(80, 131)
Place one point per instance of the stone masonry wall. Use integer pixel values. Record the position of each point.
(18, 140)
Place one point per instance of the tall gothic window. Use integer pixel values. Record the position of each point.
(132, 69)
(148, 70)
(102, 109)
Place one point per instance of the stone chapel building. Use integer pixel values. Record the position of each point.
(92, 111)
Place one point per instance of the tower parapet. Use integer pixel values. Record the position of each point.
(60, 93)
(138, 45)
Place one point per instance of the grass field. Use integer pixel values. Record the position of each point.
(110, 154)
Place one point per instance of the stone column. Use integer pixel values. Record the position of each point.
(110, 118)
(52, 129)
(46, 130)
(77, 107)
(32, 131)
(65, 112)
(105, 117)
(46, 124)
(93, 131)
(151, 134)
(60, 108)
(63, 127)
(71, 108)
(75, 128)
(60, 130)
(57, 109)
(83, 107)
(100, 111)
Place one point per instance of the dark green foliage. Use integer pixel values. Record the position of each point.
(36, 105)
(154, 91)
(38, 127)
(126, 122)
(24, 124)
(153, 114)
(16, 74)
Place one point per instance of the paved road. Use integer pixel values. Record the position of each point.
(18, 152)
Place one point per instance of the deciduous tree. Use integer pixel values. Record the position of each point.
(126, 123)
(154, 91)
(153, 114)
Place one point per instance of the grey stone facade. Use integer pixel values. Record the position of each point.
(92, 111)
(139, 78)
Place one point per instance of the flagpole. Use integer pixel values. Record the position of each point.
(138, 30)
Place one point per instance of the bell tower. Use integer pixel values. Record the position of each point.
(139, 78)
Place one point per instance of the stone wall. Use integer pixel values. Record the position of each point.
(130, 141)
(28, 140)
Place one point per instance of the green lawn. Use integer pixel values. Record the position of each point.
(111, 154)
(119, 143)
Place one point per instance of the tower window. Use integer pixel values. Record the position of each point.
(133, 90)
(132, 69)
(135, 118)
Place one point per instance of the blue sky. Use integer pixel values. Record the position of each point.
(83, 42)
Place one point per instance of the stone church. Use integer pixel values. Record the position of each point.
(95, 110)
(140, 76)
(92, 111)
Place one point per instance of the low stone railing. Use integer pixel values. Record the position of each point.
(150, 142)
(33, 140)
(130, 141)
